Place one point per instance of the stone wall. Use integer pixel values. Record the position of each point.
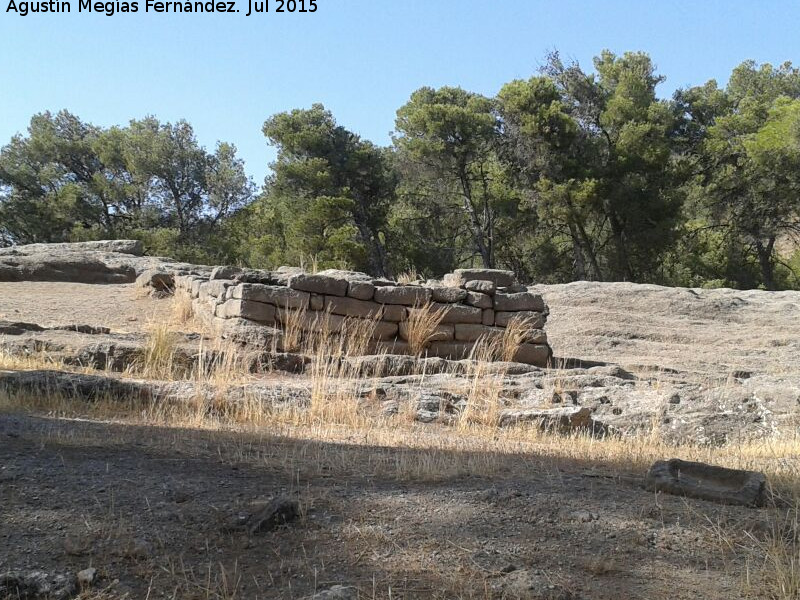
(254, 306)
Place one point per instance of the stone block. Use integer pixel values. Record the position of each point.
(707, 482)
(442, 333)
(488, 316)
(480, 300)
(247, 309)
(481, 287)
(450, 350)
(282, 297)
(364, 309)
(449, 295)
(225, 272)
(217, 287)
(196, 287)
(534, 320)
(460, 277)
(384, 331)
(316, 302)
(404, 295)
(389, 347)
(311, 321)
(319, 284)
(361, 290)
(458, 313)
(533, 354)
(521, 301)
(470, 332)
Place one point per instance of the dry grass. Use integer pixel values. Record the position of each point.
(422, 325)
(182, 310)
(516, 333)
(408, 276)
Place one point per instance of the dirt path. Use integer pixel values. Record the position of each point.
(148, 508)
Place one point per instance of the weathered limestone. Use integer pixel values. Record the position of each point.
(361, 290)
(563, 420)
(479, 300)
(460, 277)
(458, 313)
(707, 482)
(246, 309)
(468, 332)
(364, 309)
(279, 296)
(225, 272)
(404, 295)
(533, 354)
(450, 350)
(516, 302)
(534, 320)
(442, 333)
(448, 295)
(480, 307)
(320, 284)
(481, 287)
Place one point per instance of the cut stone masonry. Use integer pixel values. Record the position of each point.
(475, 304)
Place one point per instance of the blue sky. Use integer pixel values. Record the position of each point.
(226, 73)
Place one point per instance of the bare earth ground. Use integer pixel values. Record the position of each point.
(151, 506)
(118, 307)
(147, 507)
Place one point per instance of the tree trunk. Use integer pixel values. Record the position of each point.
(577, 254)
(766, 263)
(475, 223)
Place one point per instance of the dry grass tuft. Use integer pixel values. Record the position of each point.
(422, 325)
(408, 276)
(514, 335)
(182, 310)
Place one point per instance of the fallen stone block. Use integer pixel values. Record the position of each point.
(404, 295)
(319, 284)
(707, 482)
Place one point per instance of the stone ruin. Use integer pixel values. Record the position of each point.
(254, 306)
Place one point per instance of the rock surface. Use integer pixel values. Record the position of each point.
(707, 482)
